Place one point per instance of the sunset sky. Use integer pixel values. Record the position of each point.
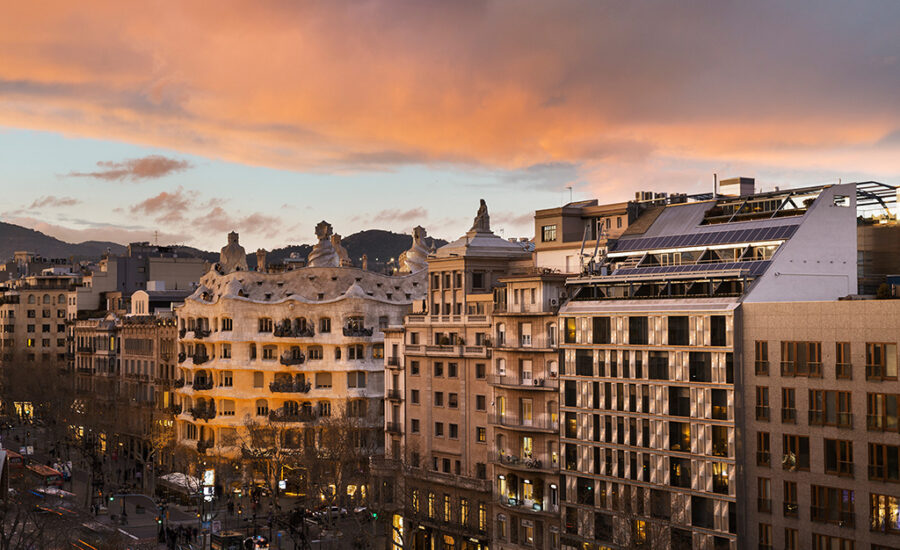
(119, 119)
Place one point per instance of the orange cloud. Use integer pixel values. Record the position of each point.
(363, 85)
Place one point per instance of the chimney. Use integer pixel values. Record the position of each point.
(261, 260)
(365, 262)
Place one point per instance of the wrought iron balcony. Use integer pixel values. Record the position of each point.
(395, 394)
(286, 331)
(357, 331)
(182, 332)
(289, 386)
(289, 360)
(175, 409)
(393, 427)
(178, 383)
(204, 445)
(202, 412)
(203, 384)
(182, 356)
(200, 333)
(199, 359)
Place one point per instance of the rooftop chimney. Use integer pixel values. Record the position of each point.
(261, 260)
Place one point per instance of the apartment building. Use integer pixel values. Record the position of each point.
(651, 405)
(287, 349)
(523, 425)
(436, 481)
(820, 434)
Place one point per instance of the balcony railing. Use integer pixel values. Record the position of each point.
(844, 518)
(763, 458)
(393, 361)
(280, 415)
(203, 412)
(357, 331)
(532, 462)
(393, 427)
(291, 332)
(85, 349)
(174, 409)
(394, 394)
(182, 332)
(762, 413)
(762, 368)
(199, 359)
(843, 370)
(540, 422)
(290, 386)
(789, 416)
(202, 384)
(842, 419)
(178, 383)
(523, 383)
(289, 360)
(200, 333)
(791, 509)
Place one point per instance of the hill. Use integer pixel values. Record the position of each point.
(14, 237)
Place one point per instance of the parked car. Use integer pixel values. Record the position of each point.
(331, 513)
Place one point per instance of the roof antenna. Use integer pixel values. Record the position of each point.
(569, 187)
(715, 185)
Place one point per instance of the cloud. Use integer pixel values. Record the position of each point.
(219, 221)
(149, 167)
(605, 87)
(53, 202)
(165, 207)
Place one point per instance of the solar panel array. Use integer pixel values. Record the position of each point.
(754, 268)
(704, 239)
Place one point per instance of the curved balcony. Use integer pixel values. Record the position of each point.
(182, 357)
(290, 360)
(283, 331)
(357, 331)
(289, 386)
(200, 333)
(203, 412)
(182, 332)
(178, 383)
(199, 359)
(534, 462)
(174, 409)
(203, 384)
(280, 415)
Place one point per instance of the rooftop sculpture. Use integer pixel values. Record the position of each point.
(323, 253)
(233, 257)
(415, 258)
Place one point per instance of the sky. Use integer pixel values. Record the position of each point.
(182, 121)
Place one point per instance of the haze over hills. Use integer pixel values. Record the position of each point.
(377, 244)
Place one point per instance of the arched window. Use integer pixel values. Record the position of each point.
(551, 335)
(31, 298)
(46, 298)
(325, 324)
(262, 407)
(291, 408)
(501, 367)
(501, 334)
(61, 299)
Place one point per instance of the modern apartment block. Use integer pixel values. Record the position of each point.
(287, 349)
(524, 412)
(821, 421)
(33, 313)
(436, 481)
(651, 393)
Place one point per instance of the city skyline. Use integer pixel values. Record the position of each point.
(266, 120)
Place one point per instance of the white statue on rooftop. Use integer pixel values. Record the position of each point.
(415, 259)
(323, 253)
(233, 257)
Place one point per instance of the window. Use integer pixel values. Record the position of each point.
(679, 330)
(659, 365)
(762, 358)
(478, 280)
(414, 425)
(480, 371)
(839, 457)
(414, 397)
(842, 366)
(325, 324)
(258, 379)
(262, 407)
(884, 462)
(569, 334)
(801, 359)
(788, 406)
(791, 508)
(601, 330)
(700, 366)
(884, 513)
(719, 404)
(791, 539)
(481, 434)
(881, 361)
(832, 505)
(265, 324)
(548, 233)
(227, 378)
(763, 449)
(452, 370)
(796, 452)
(454, 431)
(323, 379)
(356, 352)
(718, 331)
(881, 412)
(764, 495)
(356, 379)
(438, 369)
(765, 536)
(438, 399)
(453, 400)
(830, 408)
(414, 368)
(762, 403)
(438, 429)
(226, 351)
(826, 542)
(480, 403)
(638, 331)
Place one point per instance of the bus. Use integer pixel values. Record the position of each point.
(45, 475)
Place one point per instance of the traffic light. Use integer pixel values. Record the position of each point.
(111, 498)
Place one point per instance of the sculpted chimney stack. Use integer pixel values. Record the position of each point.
(261, 260)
